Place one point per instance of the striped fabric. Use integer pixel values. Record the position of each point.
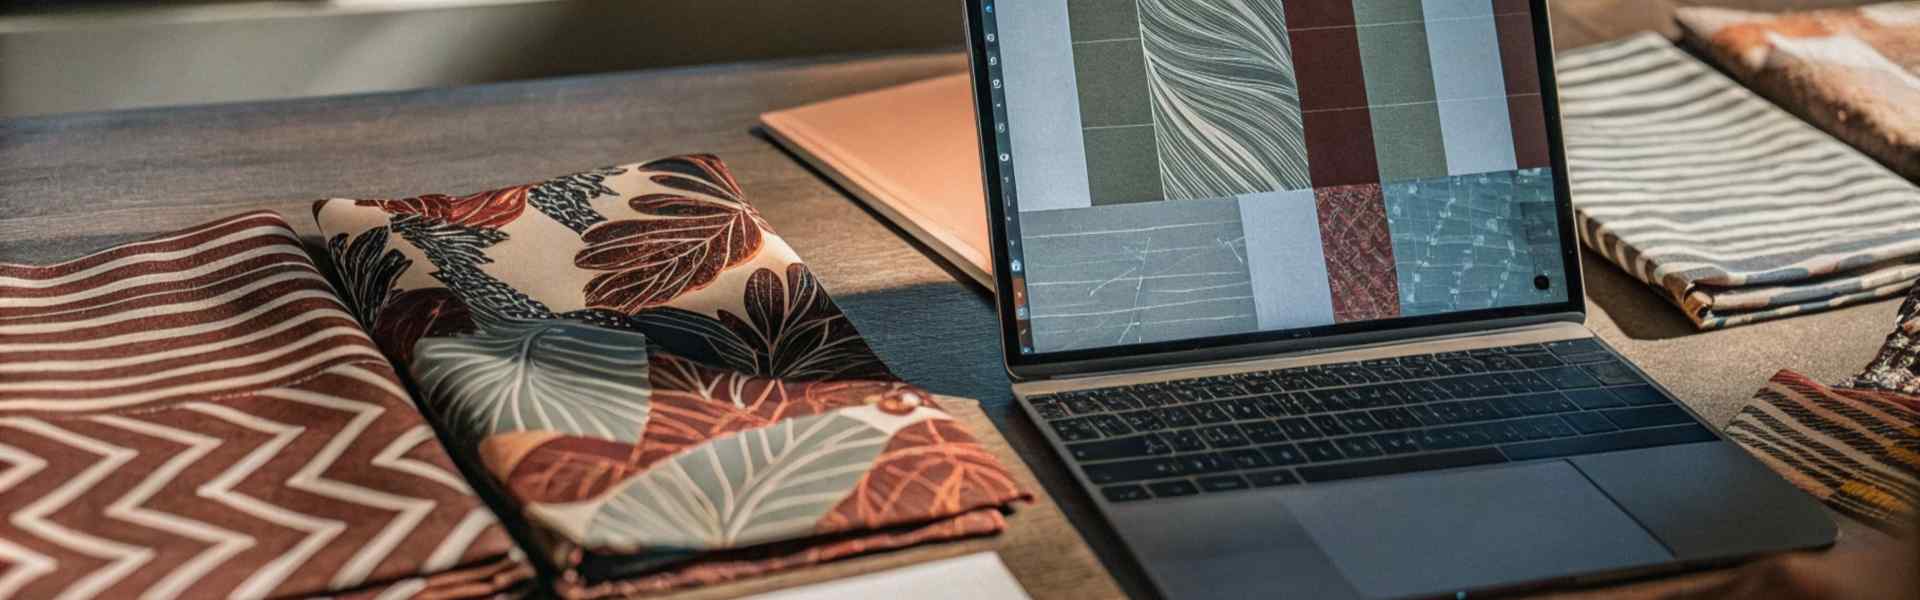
(1739, 212)
(1856, 450)
(197, 416)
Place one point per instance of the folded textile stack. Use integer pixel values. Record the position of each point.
(1854, 446)
(654, 379)
(1855, 72)
(196, 416)
(1731, 207)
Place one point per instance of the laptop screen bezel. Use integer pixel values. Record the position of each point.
(1187, 351)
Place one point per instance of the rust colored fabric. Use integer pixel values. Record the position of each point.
(1854, 72)
(1359, 250)
(655, 379)
(197, 416)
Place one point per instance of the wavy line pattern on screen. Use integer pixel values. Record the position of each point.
(1224, 97)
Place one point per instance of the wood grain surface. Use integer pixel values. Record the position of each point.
(74, 183)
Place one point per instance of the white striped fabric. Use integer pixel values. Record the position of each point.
(1738, 210)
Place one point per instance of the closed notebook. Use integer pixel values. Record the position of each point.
(911, 154)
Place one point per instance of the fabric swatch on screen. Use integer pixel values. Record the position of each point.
(1409, 142)
(197, 416)
(1287, 259)
(1137, 273)
(1112, 79)
(1455, 9)
(1359, 253)
(1478, 134)
(1225, 100)
(1328, 69)
(1474, 241)
(1466, 59)
(1735, 209)
(1043, 101)
(1096, 20)
(1123, 166)
(1852, 449)
(1319, 14)
(1340, 147)
(1854, 72)
(1406, 121)
(602, 340)
(1519, 62)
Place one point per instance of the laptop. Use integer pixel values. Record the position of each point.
(1292, 286)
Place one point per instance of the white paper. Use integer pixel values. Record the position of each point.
(971, 577)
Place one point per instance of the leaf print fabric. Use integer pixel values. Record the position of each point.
(655, 379)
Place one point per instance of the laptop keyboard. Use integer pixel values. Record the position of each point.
(1365, 419)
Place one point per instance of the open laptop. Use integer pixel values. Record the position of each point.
(1292, 286)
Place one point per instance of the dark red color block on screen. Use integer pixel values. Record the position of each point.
(1503, 7)
(1327, 64)
(1359, 251)
(1518, 60)
(1528, 118)
(1319, 13)
(1340, 147)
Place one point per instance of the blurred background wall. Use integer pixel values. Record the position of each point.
(66, 56)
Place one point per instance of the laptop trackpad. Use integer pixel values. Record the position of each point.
(1461, 531)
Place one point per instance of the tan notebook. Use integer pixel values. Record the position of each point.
(911, 153)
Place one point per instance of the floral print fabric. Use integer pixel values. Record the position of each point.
(655, 377)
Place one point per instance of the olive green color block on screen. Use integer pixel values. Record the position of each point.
(1123, 164)
(1408, 141)
(1097, 20)
(1112, 78)
(1395, 64)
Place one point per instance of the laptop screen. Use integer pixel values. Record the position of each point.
(1187, 169)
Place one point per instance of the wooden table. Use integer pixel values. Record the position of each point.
(70, 184)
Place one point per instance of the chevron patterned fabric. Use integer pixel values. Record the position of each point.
(196, 415)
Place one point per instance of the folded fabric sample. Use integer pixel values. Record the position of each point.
(1897, 367)
(655, 379)
(1857, 450)
(1734, 209)
(196, 416)
(1855, 72)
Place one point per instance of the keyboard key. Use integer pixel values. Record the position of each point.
(1244, 409)
(1651, 416)
(1223, 436)
(1248, 458)
(1590, 357)
(1124, 493)
(1322, 379)
(1533, 382)
(1402, 464)
(1263, 432)
(1394, 418)
(1139, 446)
(1396, 443)
(1111, 425)
(1271, 406)
(1320, 451)
(1185, 440)
(1507, 432)
(1083, 405)
(1176, 417)
(1614, 373)
(1173, 489)
(1272, 478)
(1210, 412)
(1358, 422)
(1588, 422)
(1118, 400)
(1298, 429)
(1568, 378)
(1134, 470)
(1425, 391)
(1537, 361)
(1223, 483)
(1576, 346)
(1330, 400)
(1050, 410)
(1076, 430)
(1283, 454)
(1608, 442)
(1200, 464)
(1554, 427)
(1640, 395)
(1545, 404)
(1359, 447)
(1328, 425)
(1590, 399)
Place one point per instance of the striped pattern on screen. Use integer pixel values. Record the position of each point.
(1739, 211)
